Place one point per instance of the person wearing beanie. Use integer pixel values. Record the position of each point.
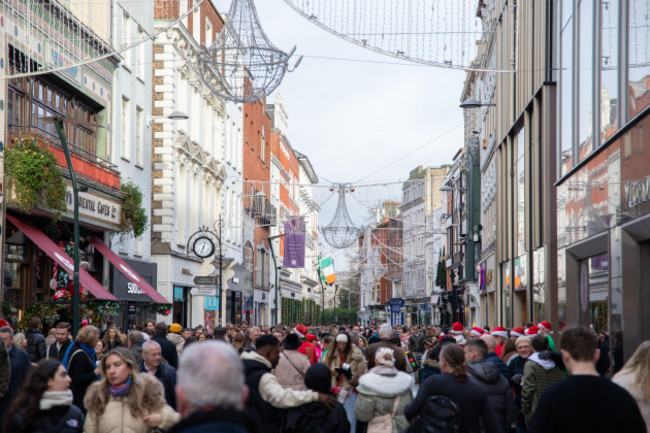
(384, 392)
(292, 366)
(175, 337)
(306, 348)
(516, 367)
(315, 417)
(500, 335)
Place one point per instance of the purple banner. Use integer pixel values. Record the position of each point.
(294, 244)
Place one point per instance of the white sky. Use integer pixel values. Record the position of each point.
(352, 118)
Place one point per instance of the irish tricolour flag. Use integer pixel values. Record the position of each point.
(327, 270)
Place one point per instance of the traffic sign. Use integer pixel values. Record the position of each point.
(206, 280)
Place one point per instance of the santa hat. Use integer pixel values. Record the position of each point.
(3, 323)
(311, 337)
(517, 331)
(546, 326)
(457, 328)
(477, 331)
(499, 331)
(532, 331)
(301, 330)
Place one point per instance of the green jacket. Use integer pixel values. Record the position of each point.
(539, 374)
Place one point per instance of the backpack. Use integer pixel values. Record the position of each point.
(438, 415)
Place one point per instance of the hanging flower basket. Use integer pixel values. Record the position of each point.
(162, 309)
(134, 215)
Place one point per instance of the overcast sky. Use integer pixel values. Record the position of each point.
(352, 118)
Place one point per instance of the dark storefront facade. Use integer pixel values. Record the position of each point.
(135, 303)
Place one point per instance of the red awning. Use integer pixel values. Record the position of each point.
(128, 271)
(55, 253)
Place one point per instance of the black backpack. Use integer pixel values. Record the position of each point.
(438, 415)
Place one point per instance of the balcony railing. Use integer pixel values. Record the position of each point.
(85, 163)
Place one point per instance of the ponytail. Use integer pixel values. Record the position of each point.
(454, 355)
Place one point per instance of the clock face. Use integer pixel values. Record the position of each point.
(203, 247)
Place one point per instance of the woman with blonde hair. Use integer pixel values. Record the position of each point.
(124, 400)
(635, 378)
(112, 339)
(80, 362)
(383, 392)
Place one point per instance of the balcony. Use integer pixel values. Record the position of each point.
(86, 164)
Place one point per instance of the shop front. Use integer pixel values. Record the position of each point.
(136, 304)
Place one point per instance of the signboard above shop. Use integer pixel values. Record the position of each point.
(95, 206)
(203, 291)
(207, 280)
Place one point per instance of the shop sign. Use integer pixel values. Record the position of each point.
(211, 303)
(95, 206)
(637, 192)
(178, 294)
(133, 289)
(203, 291)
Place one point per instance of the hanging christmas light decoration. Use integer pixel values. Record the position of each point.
(250, 65)
(341, 231)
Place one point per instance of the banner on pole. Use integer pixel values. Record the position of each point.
(294, 243)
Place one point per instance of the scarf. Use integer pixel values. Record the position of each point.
(73, 348)
(55, 398)
(120, 391)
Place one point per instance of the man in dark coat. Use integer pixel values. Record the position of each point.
(151, 363)
(492, 357)
(211, 393)
(35, 340)
(167, 348)
(60, 346)
(385, 340)
(20, 365)
(496, 386)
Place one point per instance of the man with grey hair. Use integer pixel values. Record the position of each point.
(166, 374)
(385, 337)
(211, 392)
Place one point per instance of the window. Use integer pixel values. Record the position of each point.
(126, 147)
(126, 39)
(262, 144)
(141, 61)
(137, 249)
(638, 56)
(521, 192)
(586, 82)
(609, 51)
(566, 89)
(208, 33)
(139, 136)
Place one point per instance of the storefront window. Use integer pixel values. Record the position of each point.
(561, 285)
(538, 294)
(638, 56)
(609, 32)
(506, 295)
(566, 89)
(594, 273)
(586, 81)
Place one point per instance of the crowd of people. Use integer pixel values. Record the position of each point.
(335, 379)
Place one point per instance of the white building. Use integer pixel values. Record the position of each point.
(188, 155)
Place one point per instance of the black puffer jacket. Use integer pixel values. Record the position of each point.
(36, 348)
(60, 419)
(498, 391)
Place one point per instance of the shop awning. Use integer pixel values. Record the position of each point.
(55, 253)
(128, 271)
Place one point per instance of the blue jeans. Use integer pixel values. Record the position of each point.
(349, 411)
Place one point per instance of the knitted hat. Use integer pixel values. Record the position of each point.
(341, 338)
(532, 331)
(546, 326)
(457, 328)
(517, 331)
(522, 339)
(477, 331)
(301, 330)
(500, 331)
(175, 328)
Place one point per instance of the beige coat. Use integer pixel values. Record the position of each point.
(632, 386)
(357, 362)
(288, 376)
(178, 340)
(117, 417)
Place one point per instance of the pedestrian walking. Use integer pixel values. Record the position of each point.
(152, 363)
(316, 417)
(384, 392)
(635, 378)
(211, 390)
(516, 366)
(19, 367)
(454, 385)
(585, 401)
(125, 400)
(292, 366)
(35, 340)
(44, 403)
(385, 335)
(539, 374)
(112, 339)
(168, 348)
(80, 363)
(62, 341)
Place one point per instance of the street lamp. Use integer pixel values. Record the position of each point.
(178, 115)
(475, 103)
(275, 266)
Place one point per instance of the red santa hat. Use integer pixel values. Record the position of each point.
(499, 331)
(311, 337)
(3, 323)
(477, 331)
(301, 330)
(457, 328)
(532, 331)
(517, 331)
(545, 325)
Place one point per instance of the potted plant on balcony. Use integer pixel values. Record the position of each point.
(134, 215)
(34, 176)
